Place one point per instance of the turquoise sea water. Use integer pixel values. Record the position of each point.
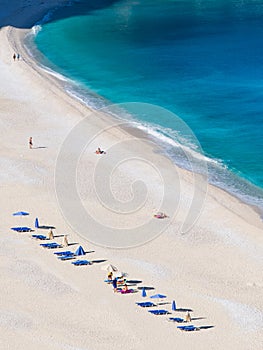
(202, 60)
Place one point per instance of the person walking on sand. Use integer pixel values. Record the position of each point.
(14, 56)
(30, 142)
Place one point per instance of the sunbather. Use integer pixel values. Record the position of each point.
(99, 151)
(125, 288)
(160, 215)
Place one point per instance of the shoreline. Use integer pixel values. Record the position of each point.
(248, 197)
(215, 269)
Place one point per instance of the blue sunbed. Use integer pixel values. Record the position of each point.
(176, 319)
(51, 245)
(146, 304)
(108, 281)
(188, 328)
(159, 312)
(81, 262)
(67, 257)
(41, 237)
(67, 252)
(21, 229)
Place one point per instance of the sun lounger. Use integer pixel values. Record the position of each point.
(21, 229)
(146, 304)
(67, 257)
(51, 245)
(67, 252)
(81, 262)
(159, 312)
(41, 237)
(176, 319)
(188, 328)
(54, 246)
(46, 244)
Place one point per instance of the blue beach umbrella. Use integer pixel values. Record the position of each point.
(173, 306)
(20, 213)
(158, 296)
(144, 293)
(36, 223)
(80, 251)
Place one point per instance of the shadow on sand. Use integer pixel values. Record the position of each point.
(46, 227)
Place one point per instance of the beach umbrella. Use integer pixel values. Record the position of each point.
(20, 213)
(188, 317)
(109, 268)
(80, 251)
(158, 296)
(50, 235)
(173, 306)
(65, 241)
(36, 223)
(144, 293)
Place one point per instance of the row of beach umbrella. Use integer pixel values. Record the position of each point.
(109, 267)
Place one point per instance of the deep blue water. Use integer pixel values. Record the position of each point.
(202, 60)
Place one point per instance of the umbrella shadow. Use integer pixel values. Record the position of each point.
(182, 309)
(197, 318)
(39, 147)
(74, 243)
(134, 281)
(90, 251)
(146, 288)
(58, 236)
(205, 327)
(46, 227)
(164, 303)
(98, 261)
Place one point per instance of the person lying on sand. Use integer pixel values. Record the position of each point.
(125, 288)
(99, 151)
(160, 215)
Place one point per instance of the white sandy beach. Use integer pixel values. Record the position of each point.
(215, 269)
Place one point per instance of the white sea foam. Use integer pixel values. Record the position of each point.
(55, 74)
(36, 29)
(162, 134)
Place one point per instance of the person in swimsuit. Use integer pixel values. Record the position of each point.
(99, 151)
(30, 142)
